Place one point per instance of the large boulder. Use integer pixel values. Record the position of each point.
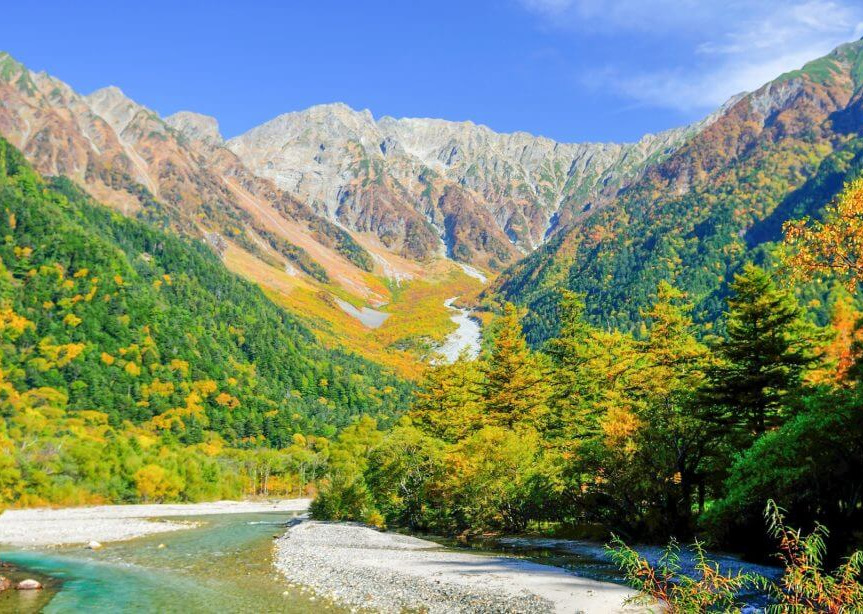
(28, 585)
(5, 583)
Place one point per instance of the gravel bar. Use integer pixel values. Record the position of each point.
(360, 567)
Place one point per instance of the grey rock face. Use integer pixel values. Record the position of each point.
(329, 155)
(196, 127)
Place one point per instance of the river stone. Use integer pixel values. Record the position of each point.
(5, 583)
(94, 545)
(28, 585)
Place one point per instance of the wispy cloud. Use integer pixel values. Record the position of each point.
(732, 46)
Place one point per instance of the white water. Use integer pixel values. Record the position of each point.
(466, 338)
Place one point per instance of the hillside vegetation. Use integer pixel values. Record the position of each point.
(131, 358)
(719, 201)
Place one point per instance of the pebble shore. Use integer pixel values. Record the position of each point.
(360, 567)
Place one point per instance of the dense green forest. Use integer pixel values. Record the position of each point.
(134, 365)
(667, 431)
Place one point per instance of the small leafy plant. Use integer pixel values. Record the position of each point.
(709, 590)
(805, 586)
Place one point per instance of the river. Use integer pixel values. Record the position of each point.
(224, 565)
(466, 338)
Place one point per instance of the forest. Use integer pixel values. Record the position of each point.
(673, 430)
(135, 367)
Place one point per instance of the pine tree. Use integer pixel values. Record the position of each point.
(515, 388)
(764, 357)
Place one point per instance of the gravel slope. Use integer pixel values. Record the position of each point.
(386, 572)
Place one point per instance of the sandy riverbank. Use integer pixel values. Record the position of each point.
(388, 572)
(79, 525)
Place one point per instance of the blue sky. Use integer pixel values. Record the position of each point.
(573, 70)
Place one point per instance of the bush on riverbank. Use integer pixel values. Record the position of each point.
(805, 585)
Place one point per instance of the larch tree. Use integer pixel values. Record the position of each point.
(515, 389)
(449, 404)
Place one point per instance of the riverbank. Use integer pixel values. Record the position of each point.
(387, 572)
(46, 527)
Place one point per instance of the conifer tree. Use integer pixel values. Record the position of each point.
(674, 439)
(449, 404)
(588, 374)
(515, 388)
(764, 357)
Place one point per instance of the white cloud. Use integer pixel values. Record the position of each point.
(734, 46)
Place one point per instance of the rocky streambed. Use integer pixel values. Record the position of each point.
(466, 338)
(357, 566)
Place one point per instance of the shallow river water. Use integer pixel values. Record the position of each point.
(224, 565)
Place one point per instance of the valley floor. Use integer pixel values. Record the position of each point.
(350, 564)
(41, 527)
(388, 572)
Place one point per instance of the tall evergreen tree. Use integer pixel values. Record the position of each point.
(674, 439)
(764, 356)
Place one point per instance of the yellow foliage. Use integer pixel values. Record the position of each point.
(832, 245)
(132, 369)
(13, 324)
(71, 320)
(22, 252)
(93, 417)
(226, 400)
(107, 358)
(179, 365)
(158, 388)
(155, 483)
(205, 387)
(60, 355)
(619, 425)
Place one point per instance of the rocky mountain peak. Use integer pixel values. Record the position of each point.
(196, 127)
(345, 163)
(112, 105)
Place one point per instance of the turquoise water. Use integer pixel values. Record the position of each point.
(224, 565)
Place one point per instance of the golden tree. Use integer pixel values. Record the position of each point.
(833, 244)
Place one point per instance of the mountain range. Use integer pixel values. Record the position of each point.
(332, 205)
